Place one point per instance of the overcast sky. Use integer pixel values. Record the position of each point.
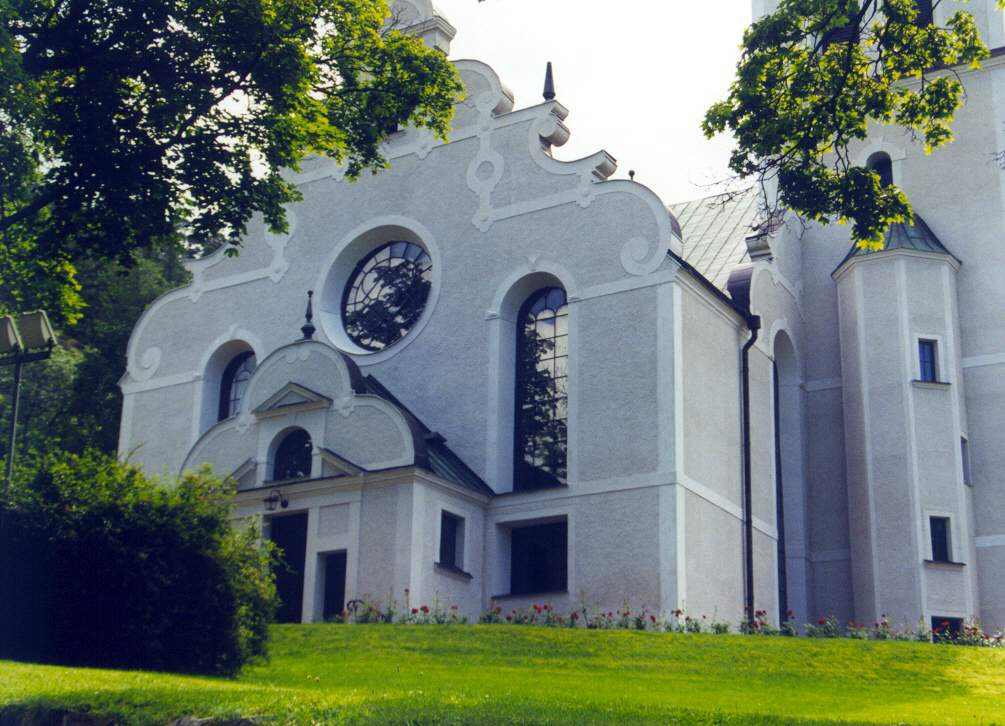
(636, 75)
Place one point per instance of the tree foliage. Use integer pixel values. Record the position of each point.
(127, 125)
(815, 73)
(100, 565)
(72, 401)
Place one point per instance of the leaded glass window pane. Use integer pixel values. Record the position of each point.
(386, 294)
(293, 457)
(542, 390)
(234, 384)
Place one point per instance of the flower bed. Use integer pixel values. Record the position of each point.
(678, 621)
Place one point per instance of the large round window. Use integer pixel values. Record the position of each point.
(386, 294)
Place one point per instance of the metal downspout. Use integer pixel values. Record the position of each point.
(754, 324)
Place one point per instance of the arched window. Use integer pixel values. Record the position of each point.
(881, 164)
(234, 383)
(542, 393)
(293, 456)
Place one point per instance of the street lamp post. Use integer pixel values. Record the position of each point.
(28, 339)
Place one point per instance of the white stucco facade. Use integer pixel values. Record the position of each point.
(652, 507)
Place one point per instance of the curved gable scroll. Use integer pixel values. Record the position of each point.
(312, 386)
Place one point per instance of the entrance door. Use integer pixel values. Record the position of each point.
(334, 603)
(289, 533)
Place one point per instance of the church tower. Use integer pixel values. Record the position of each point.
(910, 522)
(903, 365)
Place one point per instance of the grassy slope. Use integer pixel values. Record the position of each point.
(499, 674)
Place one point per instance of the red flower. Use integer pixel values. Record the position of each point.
(574, 616)
(509, 618)
(822, 621)
(537, 608)
(415, 611)
(653, 618)
(497, 610)
(424, 608)
(789, 613)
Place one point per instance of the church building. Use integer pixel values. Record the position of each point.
(489, 377)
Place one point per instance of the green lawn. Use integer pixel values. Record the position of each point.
(511, 674)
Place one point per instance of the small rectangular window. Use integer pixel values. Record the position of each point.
(451, 540)
(927, 358)
(968, 476)
(539, 559)
(940, 538)
(944, 628)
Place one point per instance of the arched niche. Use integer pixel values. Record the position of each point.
(219, 363)
(790, 484)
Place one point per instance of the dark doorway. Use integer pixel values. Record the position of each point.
(334, 603)
(289, 533)
(539, 559)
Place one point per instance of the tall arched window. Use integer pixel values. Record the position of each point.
(881, 163)
(542, 392)
(234, 383)
(293, 456)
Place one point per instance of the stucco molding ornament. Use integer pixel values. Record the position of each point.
(547, 130)
(275, 271)
(141, 367)
(273, 403)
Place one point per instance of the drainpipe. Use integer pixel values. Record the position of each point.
(754, 323)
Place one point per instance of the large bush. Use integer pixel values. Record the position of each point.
(100, 565)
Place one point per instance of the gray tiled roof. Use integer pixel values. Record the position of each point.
(905, 236)
(714, 231)
(431, 450)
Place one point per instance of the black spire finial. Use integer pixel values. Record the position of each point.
(308, 328)
(549, 84)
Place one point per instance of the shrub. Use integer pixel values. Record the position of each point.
(102, 566)
(759, 625)
(827, 627)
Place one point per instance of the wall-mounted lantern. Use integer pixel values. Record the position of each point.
(275, 499)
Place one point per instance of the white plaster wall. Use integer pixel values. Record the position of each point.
(614, 548)
(430, 584)
(314, 498)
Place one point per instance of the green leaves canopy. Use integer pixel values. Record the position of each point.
(814, 73)
(126, 125)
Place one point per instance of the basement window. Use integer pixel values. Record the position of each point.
(946, 628)
(539, 558)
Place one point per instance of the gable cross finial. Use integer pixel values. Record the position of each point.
(308, 328)
(549, 84)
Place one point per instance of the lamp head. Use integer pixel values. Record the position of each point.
(10, 341)
(36, 332)
(275, 498)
